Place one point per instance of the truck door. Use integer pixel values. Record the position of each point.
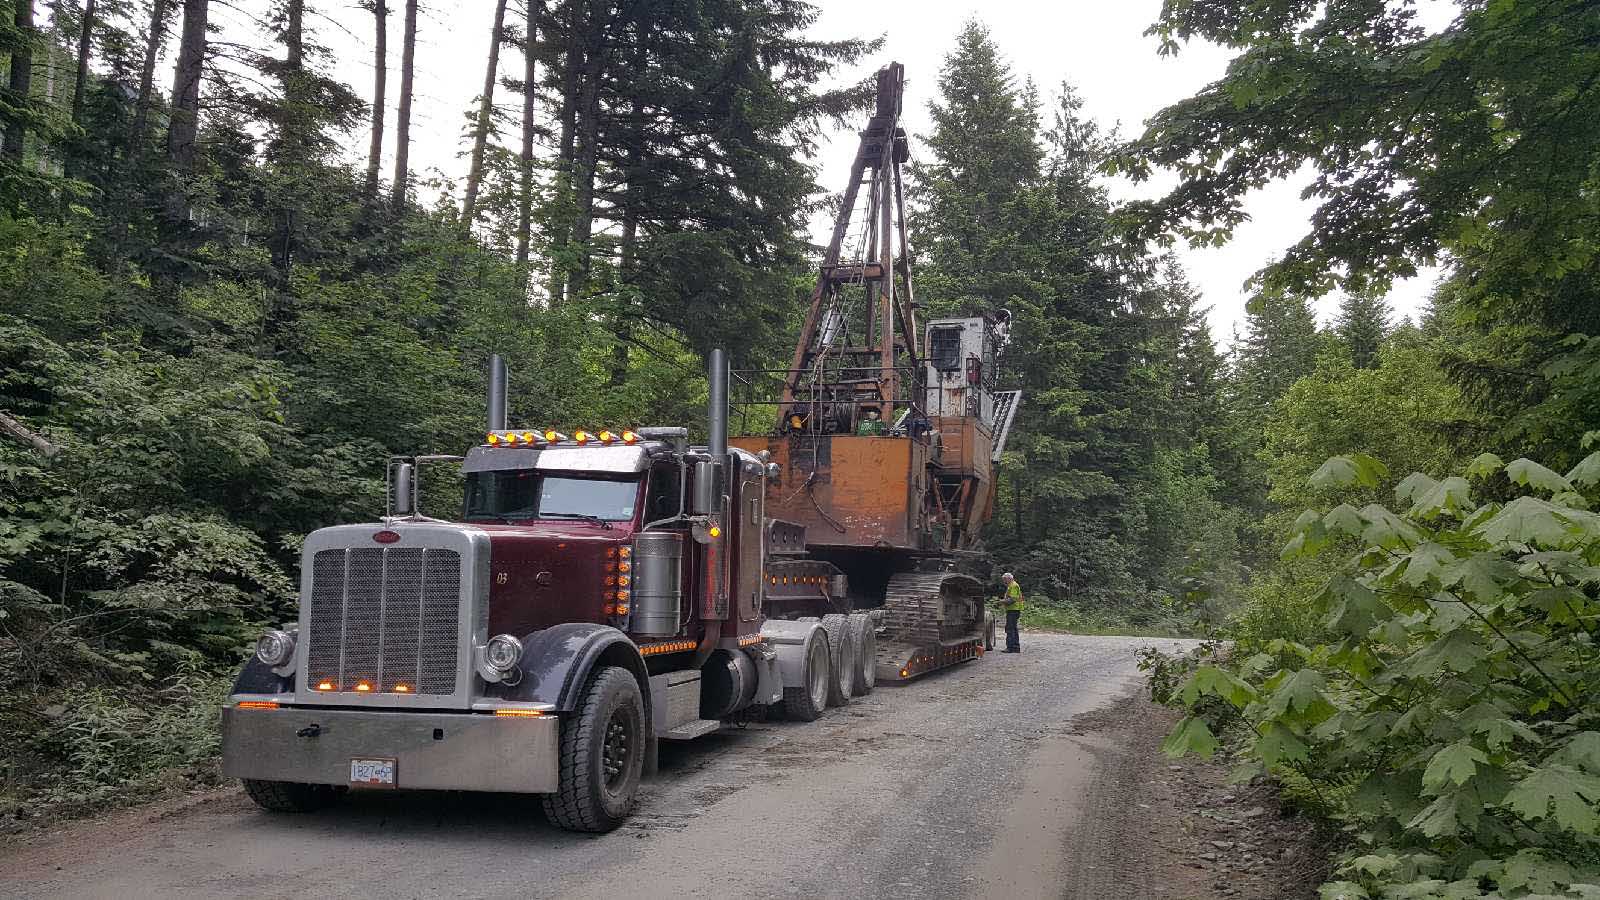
(750, 509)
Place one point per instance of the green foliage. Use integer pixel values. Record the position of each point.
(1454, 683)
(1118, 491)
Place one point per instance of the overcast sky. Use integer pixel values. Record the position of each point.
(1098, 46)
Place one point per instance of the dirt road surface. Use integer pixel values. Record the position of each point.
(1005, 777)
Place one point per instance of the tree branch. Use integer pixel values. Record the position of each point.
(22, 433)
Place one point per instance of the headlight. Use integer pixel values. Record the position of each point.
(503, 652)
(275, 648)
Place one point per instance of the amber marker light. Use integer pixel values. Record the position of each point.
(257, 704)
(606, 437)
(715, 531)
(324, 685)
(363, 687)
(554, 437)
(622, 609)
(904, 673)
(625, 566)
(519, 713)
(492, 439)
(629, 437)
(402, 689)
(625, 551)
(581, 437)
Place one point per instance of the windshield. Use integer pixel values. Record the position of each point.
(528, 494)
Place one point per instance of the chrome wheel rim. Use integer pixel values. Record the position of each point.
(819, 674)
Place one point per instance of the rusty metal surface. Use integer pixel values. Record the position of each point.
(848, 490)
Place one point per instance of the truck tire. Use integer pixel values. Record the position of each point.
(988, 631)
(806, 703)
(289, 796)
(842, 646)
(601, 755)
(866, 671)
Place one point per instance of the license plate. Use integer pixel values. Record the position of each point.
(377, 773)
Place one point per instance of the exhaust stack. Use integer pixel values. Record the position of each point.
(497, 393)
(717, 411)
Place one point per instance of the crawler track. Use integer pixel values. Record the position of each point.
(931, 620)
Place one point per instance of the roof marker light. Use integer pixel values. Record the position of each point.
(581, 436)
(492, 439)
(606, 437)
(529, 437)
(629, 437)
(554, 437)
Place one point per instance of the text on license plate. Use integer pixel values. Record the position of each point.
(372, 772)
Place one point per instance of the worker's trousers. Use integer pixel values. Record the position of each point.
(1013, 640)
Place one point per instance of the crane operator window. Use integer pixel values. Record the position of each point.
(944, 349)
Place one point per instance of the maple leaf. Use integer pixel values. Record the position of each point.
(1191, 736)
(1560, 793)
(1525, 520)
(1528, 473)
(1455, 763)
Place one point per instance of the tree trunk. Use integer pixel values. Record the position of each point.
(85, 34)
(525, 160)
(147, 74)
(480, 135)
(402, 132)
(380, 73)
(293, 143)
(627, 262)
(183, 127)
(588, 140)
(571, 63)
(16, 136)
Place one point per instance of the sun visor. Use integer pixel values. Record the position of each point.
(625, 460)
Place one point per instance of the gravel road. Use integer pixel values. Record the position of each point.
(971, 782)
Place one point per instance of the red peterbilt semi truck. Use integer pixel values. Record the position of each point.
(598, 594)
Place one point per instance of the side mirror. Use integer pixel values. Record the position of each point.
(707, 487)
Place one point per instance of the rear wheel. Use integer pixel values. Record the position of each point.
(866, 669)
(288, 796)
(602, 755)
(988, 631)
(842, 644)
(806, 702)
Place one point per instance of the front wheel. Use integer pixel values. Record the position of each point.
(602, 755)
(289, 796)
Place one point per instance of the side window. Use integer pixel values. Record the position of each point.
(663, 494)
(944, 348)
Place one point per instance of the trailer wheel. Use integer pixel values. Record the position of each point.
(805, 704)
(842, 643)
(866, 671)
(289, 796)
(988, 631)
(602, 755)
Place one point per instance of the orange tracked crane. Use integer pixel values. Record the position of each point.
(888, 429)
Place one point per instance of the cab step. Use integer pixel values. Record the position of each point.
(690, 730)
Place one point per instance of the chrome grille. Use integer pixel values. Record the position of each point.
(384, 617)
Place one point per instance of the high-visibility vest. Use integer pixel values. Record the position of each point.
(1014, 597)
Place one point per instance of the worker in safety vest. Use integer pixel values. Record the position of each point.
(1012, 603)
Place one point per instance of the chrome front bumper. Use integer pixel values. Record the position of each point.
(433, 751)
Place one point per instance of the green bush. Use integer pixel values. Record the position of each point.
(1450, 718)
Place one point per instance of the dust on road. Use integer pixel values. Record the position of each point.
(968, 783)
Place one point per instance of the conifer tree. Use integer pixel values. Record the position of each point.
(1279, 346)
(1363, 325)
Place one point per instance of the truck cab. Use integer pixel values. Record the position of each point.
(598, 593)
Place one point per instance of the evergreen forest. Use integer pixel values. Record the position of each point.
(226, 299)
